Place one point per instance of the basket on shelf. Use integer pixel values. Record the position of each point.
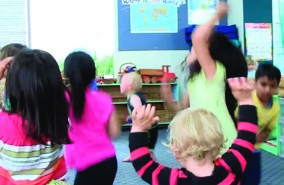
(122, 70)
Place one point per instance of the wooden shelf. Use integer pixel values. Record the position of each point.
(152, 95)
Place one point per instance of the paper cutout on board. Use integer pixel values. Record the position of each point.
(259, 41)
(167, 2)
(200, 11)
(153, 18)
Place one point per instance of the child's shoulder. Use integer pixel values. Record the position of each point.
(99, 96)
(10, 124)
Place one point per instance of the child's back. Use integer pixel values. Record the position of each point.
(89, 135)
(93, 124)
(42, 163)
(35, 126)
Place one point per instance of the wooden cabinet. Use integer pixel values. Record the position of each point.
(152, 93)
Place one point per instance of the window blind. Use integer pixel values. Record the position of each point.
(13, 27)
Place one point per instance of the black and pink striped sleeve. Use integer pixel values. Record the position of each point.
(235, 159)
(149, 170)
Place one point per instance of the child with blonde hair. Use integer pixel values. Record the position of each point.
(131, 86)
(196, 139)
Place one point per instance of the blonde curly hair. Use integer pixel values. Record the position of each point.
(196, 133)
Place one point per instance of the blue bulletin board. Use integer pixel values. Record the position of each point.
(169, 34)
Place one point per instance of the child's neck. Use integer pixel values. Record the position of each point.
(199, 168)
(130, 93)
(265, 103)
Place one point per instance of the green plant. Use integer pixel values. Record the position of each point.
(105, 66)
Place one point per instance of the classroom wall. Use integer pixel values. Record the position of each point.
(157, 58)
(236, 16)
(256, 11)
(149, 58)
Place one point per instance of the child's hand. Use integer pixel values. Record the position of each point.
(222, 9)
(143, 119)
(4, 65)
(191, 57)
(166, 91)
(262, 136)
(242, 90)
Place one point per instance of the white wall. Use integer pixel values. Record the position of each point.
(236, 16)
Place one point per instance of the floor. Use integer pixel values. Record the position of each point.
(272, 166)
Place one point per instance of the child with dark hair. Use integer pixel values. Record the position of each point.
(267, 79)
(34, 129)
(213, 59)
(94, 124)
(7, 51)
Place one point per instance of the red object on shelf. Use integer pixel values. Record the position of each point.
(157, 75)
(167, 77)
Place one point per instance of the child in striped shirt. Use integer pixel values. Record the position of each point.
(34, 129)
(196, 139)
(9, 50)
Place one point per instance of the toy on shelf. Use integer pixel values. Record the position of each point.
(157, 75)
(106, 79)
(125, 68)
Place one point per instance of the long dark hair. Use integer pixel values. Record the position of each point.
(223, 50)
(35, 90)
(79, 68)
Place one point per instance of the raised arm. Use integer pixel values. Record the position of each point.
(4, 65)
(135, 101)
(168, 98)
(200, 43)
(236, 158)
(149, 170)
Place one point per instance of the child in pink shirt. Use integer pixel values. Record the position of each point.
(35, 126)
(93, 124)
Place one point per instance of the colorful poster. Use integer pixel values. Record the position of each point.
(259, 41)
(153, 18)
(200, 11)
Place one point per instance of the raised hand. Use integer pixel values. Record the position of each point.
(241, 89)
(222, 9)
(143, 119)
(4, 65)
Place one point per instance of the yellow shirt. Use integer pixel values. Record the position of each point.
(210, 95)
(267, 116)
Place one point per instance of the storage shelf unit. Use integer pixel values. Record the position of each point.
(152, 93)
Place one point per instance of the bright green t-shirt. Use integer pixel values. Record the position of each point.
(210, 95)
